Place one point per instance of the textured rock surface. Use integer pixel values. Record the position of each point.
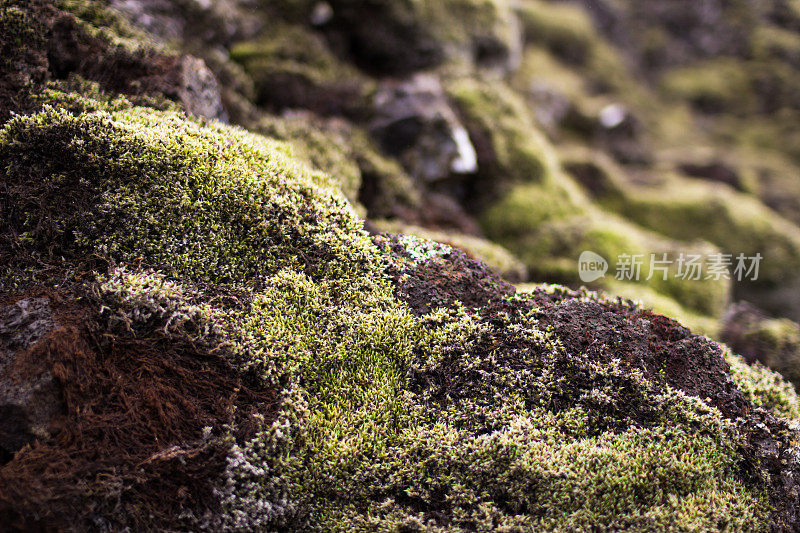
(27, 402)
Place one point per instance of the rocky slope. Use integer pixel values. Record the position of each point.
(256, 266)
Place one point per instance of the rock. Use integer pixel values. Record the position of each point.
(26, 403)
(201, 21)
(198, 89)
(414, 122)
(774, 342)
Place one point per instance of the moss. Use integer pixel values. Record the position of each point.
(320, 145)
(348, 155)
(99, 16)
(520, 152)
(548, 233)
(712, 87)
(494, 255)
(480, 31)
(161, 182)
(774, 342)
(689, 209)
(292, 67)
(662, 304)
(385, 419)
(565, 29)
(493, 456)
(764, 387)
(772, 42)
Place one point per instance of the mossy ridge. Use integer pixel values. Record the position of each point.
(443, 472)
(549, 236)
(687, 209)
(164, 181)
(292, 67)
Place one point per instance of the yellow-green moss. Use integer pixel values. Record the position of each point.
(689, 209)
(764, 387)
(714, 86)
(211, 202)
(565, 29)
(548, 234)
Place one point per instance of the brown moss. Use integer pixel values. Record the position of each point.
(130, 449)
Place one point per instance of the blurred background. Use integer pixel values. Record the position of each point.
(522, 131)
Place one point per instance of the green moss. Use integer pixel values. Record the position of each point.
(548, 233)
(288, 48)
(764, 387)
(99, 15)
(689, 209)
(493, 456)
(772, 42)
(565, 29)
(292, 67)
(384, 419)
(171, 191)
(473, 30)
(320, 145)
(776, 343)
(662, 304)
(714, 86)
(348, 155)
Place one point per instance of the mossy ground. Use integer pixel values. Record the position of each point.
(355, 371)
(392, 383)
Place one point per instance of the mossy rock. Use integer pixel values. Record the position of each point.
(128, 213)
(548, 230)
(407, 36)
(510, 148)
(687, 209)
(565, 29)
(713, 88)
(292, 67)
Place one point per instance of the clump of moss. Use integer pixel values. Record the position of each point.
(764, 387)
(737, 223)
(487, 453)
(162, 182)
(321, 145)
(494, 255)
(713, 88)
(549, 232)
(566, 30)
(519, 152)
(347, 154)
